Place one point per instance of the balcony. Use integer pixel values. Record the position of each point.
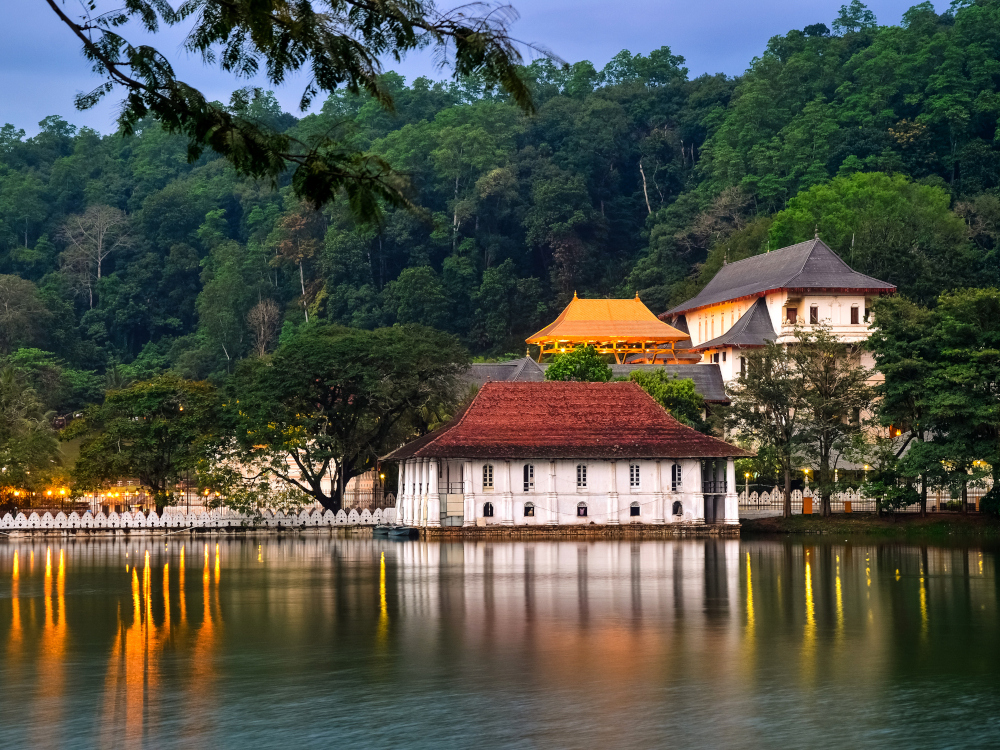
(713, 486)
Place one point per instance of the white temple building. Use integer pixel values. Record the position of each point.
(551, 453)
(763, 298)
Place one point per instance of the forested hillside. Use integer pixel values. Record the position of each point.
(121, 259)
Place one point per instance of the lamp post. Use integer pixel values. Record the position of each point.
(746, 485)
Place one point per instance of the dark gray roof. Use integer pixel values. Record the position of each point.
(807, 265)
(524, 370)
(752, 329)
(707, 377)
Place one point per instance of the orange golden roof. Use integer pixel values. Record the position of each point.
(596, 320)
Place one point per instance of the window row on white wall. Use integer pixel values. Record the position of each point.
(635, 477)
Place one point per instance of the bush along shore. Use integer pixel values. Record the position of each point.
(944, 525)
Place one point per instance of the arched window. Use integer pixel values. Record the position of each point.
(675, 478)
(581, 509)
(529, 510)
(581, 476)
(529, 478)
(633, 510)
(678, 509)
(487, 477)
(487, 510)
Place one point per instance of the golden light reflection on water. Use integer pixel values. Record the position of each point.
(590, 626)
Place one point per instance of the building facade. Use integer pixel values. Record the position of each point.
(764, 298)
(554, 453)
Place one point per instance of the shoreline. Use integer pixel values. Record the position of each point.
(932, 527)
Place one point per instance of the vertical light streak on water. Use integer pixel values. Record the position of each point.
(218, 568)
(180, 588)
(205, 573)
(260, 556)
(166, 596)
(51, 658)
(840, 604)
(15, 606)
(383, 611)
(924, 623)
(809, 634)
(751, 622)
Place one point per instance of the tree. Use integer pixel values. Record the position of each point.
(339, 41)
(834, 395)
(264, 320)
(885, 226)
(583, 364)
(331, 400)
(29, 449)
(23, 316)
(677, 395)
(904, 346)
(853, 18)
(155, 430)
(961, 401)
(766, 406)
(300, 236)
(97, 233)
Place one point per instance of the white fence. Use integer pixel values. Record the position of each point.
(774, 500)
(219, 518)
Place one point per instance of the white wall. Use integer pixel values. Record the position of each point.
(508, 504)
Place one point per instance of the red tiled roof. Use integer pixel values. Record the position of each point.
(564, 420)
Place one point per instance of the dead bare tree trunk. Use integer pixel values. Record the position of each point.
(645, 191)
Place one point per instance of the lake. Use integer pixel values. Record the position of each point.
(318, 641)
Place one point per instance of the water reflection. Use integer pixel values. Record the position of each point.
(718, 642)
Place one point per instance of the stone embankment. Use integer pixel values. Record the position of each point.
(177, 520)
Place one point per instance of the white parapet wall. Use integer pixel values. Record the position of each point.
(173, 518)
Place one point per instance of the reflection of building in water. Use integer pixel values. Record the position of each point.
(565, 453)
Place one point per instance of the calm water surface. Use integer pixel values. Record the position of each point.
(325, 642)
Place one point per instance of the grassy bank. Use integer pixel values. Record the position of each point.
(934, 526)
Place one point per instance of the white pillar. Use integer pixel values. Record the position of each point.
(552, 498)
(691, 479)
(433, 495)
(470, 494)
(411, 490)
(507, 500)
(613, 494)
(658, 502)
(426, 475)
(400, 491)
(732, 498)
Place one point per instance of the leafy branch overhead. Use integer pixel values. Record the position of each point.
(338, 43)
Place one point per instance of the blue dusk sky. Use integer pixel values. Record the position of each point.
(41, 68)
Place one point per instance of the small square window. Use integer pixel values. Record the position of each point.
(581, 475)
(723, 356)
(633, 475)
(529, 510)
(633, 510)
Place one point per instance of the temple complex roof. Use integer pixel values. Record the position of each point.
(752, 329)
(564, 420)
(602, 320)
(806, 267)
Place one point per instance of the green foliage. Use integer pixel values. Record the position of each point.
(885, 226)
(29, 450)
(677, 395)
(331, 400)
(154, 430)
(583, 364)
